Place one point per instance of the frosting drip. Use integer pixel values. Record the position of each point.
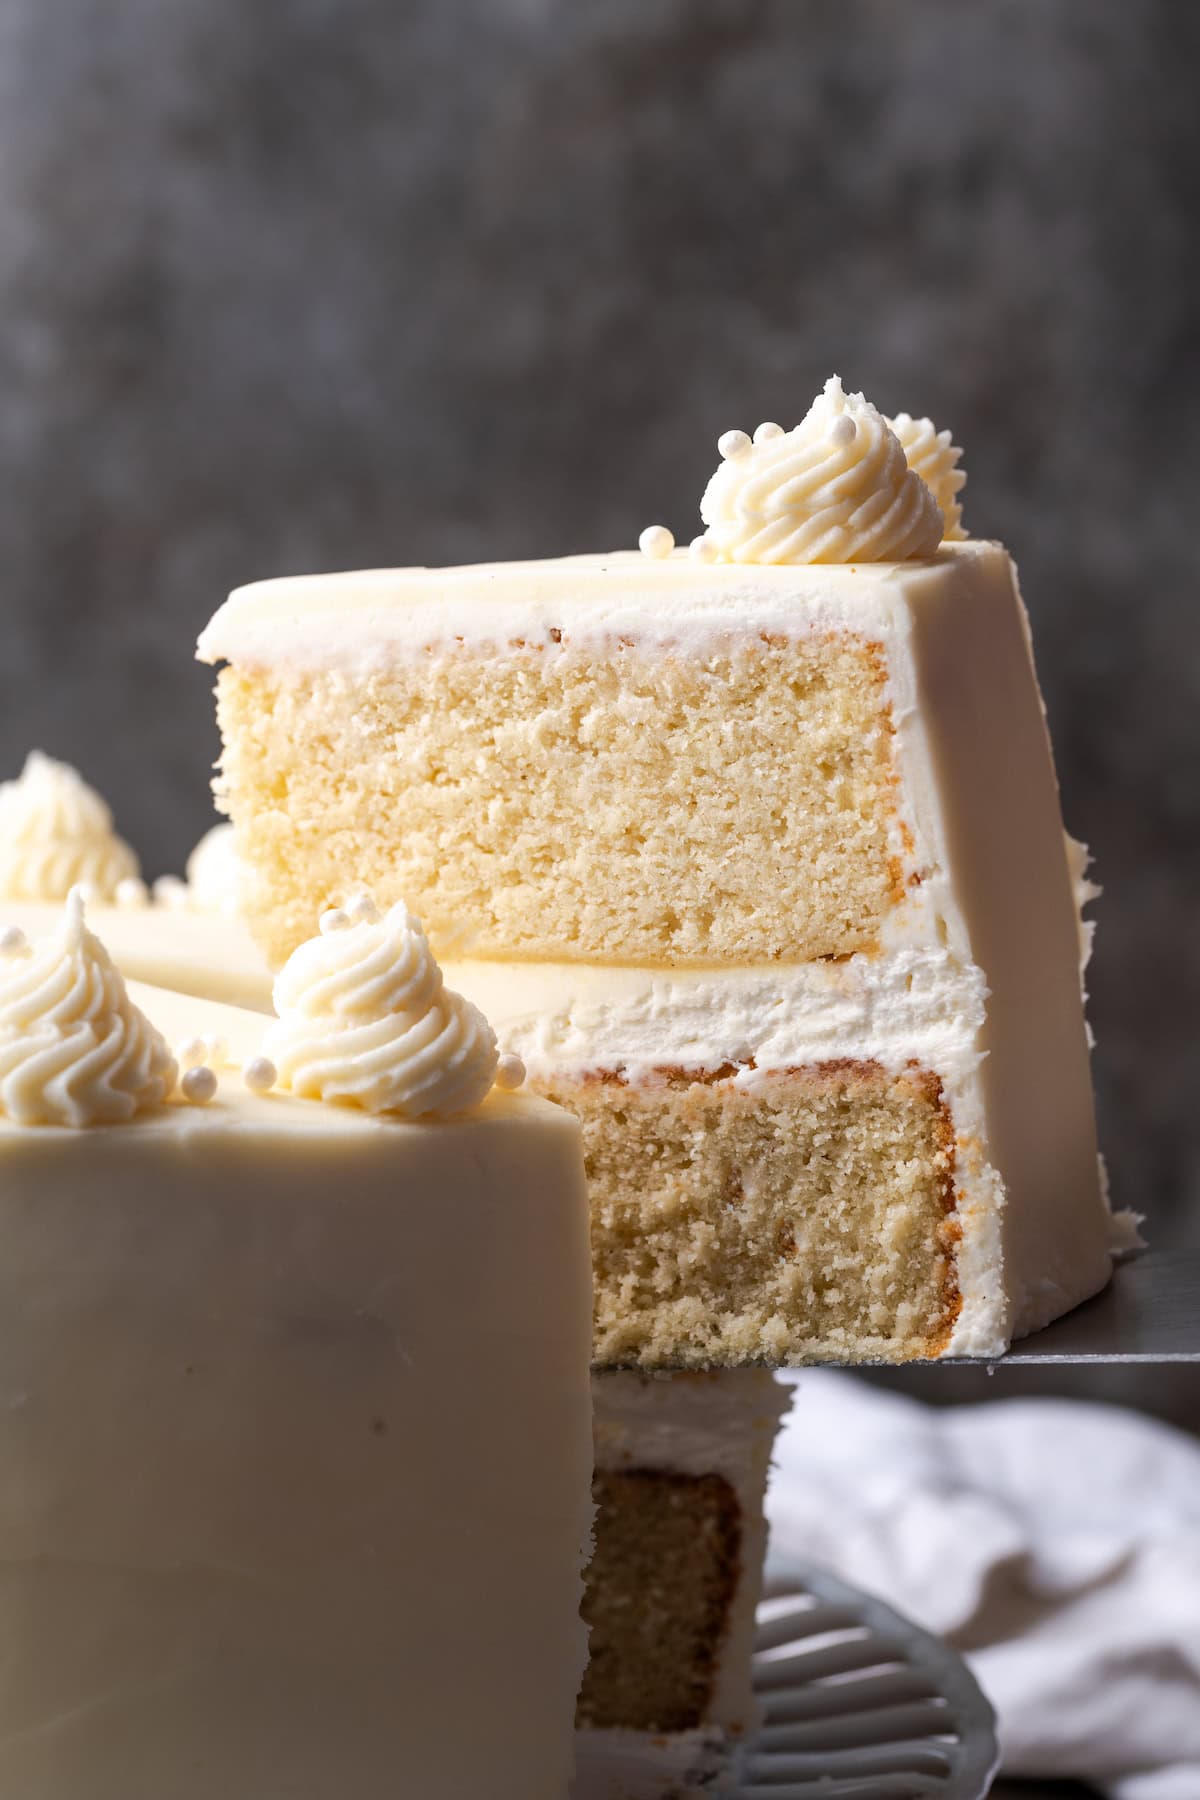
(837, 489)
(365, 1020)
(74, 1049)
(931, 455)
(214, 873)
(55, 832)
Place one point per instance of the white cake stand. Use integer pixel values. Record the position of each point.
(859, 1704)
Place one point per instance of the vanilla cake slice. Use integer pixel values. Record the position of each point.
(755, 855)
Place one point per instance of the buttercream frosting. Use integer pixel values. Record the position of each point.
(74, 1049)
(214, 872)
(933, 456)
(55, 832)
(837, 488)
(365, 1020)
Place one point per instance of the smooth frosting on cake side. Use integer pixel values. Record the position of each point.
(258, 1350)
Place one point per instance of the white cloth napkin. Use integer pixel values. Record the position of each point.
(1056, 1544)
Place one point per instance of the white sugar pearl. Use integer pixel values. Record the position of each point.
(12, 938)
(702, 549)
(732, 444)
(216, 1051)
(260, 1074)
(656, 541)
(335, 918)
(843, 430)
(361, 909)
(171, 892)
(766, 431)
(198, 1085)
(190, 1053)
(510, 1073)
(132, 892)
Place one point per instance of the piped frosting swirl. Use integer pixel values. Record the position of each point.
(365, 1020)
(55, 832)
(934, 456)
(214, 873)
(836, 489)
(74, 1049)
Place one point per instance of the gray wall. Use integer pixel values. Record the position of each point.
(296, 286)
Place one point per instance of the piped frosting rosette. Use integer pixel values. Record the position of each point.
(836, 489)
(74, 1049)
(56, 832)
(365, 1020)
(934, 456)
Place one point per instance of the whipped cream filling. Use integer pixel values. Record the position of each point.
(914, 1004)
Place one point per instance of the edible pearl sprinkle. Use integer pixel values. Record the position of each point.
(656, 541)
(702, 549)
(260, 1074)
(843, 430)
(336, 918)
(198, 1085)
(766, 431)
(510, 1073)
(11, 938)
(361, 909)
(132, 892)
(733, 443)
(216, 1051)
(191, 1052)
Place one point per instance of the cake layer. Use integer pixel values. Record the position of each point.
(296, 1432)
(849, 1147)
(671, 1448)
(811, 1217)
(629, 760)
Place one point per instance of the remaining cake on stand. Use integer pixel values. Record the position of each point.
(297, 1424)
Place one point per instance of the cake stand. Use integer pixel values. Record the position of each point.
(858, 1703)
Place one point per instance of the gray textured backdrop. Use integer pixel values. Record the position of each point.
(296, 286)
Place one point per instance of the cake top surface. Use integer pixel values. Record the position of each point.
(357, 615)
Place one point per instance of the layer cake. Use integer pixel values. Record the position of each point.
(757, 852)
(296, 1418)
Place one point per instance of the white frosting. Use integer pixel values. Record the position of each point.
(719, 1423)
(981, 851)
(915, 1003)
(74, 1049)
(365, 1020)
(56, 832)
(836, 489)
(364, 621)
(933, 456)
(266, 1528)
(214, 872)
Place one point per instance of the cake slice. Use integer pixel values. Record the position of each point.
(772, 828)
(297, 1425)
